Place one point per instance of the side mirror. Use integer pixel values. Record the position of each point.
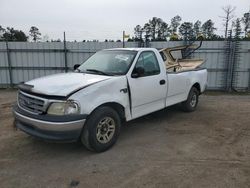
(76, 66)
(138, 72)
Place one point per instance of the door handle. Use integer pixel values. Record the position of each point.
(162, 82)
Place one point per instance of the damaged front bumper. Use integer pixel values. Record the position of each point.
(49, 127)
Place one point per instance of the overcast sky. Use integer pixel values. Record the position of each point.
(106, 19)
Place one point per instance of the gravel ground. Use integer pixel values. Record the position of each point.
(169, 148)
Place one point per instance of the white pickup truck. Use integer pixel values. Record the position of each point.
(112, 86)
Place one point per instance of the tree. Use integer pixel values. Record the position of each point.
(156, 29)
(175, 23)
(138, 30)
(147, 30)
(228, 10)
(162, 31)
(20, 36)
(237, 28)
(208, 29)
(153, 26)
(34, 33)
(197, 28)
(186, 31)
(9, 34)
(2, 31)
(246, 22)
(217, 37)
(12, 34)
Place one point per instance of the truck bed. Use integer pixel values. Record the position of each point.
(184, 65)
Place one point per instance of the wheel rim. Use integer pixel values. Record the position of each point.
(105, 130)
(193, 100)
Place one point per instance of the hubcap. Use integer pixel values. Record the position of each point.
(105, 130)
(193, 100)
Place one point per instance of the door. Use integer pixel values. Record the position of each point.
(148, 91)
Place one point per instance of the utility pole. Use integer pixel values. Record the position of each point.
(65, 52)
(123, 39)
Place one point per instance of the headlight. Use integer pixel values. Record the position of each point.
(64, 108)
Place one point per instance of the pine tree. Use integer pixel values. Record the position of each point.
(197, 28)
(186, 31)
(35, 33)
(175, 23)
(208, 29)
(237, 28)
(138, 30)
(246, 22)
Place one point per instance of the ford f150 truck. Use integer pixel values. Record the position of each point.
(112, 86)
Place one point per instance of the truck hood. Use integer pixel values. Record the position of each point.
(64, 84)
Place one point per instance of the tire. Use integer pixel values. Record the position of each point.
(101, 130)
(192, 101)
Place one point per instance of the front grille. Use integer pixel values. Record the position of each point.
(31, 103)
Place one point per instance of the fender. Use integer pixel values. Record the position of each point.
(107, 91)
(199, 79)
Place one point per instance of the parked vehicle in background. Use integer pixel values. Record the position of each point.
(112, 86)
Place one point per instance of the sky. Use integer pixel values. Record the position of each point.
(106, 19)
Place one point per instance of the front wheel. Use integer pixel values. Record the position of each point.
(192, 101)
(101, 129)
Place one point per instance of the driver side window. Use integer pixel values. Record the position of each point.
(149, 62)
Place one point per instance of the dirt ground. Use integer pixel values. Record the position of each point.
(207, 148)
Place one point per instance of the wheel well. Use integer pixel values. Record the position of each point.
(197, 86)
(117, 107)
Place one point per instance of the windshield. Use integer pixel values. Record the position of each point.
(109, 62)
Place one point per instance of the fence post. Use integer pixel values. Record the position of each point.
(9, 63)
(230, 66)
(249, 80)
(229, 53)
(65, 52)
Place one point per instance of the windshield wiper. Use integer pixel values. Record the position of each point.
(98, 71)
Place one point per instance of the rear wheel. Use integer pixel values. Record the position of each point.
(192, 101)
(101, 129)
